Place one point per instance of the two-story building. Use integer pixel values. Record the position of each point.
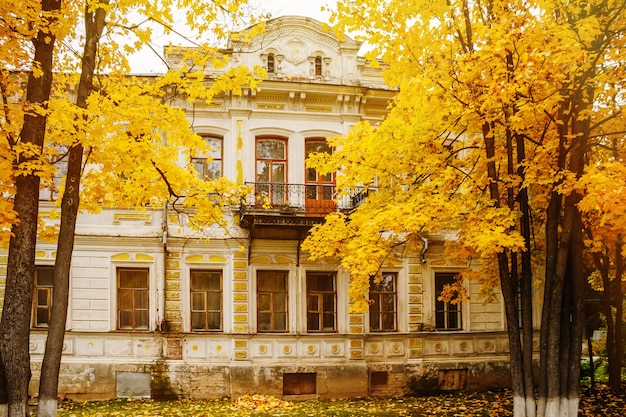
(158, 311)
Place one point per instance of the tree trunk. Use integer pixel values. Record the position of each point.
(526, 283)
(48, 386)
(523, 396)
(15, 323)
(552, 226)
(615, 344)
(592, 370)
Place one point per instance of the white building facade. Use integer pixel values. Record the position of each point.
(156, 312)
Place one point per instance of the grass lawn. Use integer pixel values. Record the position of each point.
(494, 404)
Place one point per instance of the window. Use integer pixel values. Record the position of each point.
(383, 310)
(318, 66)
(321, 300)
(132, 299)
(271, 170)
(320, 188)
(270, 64)
(206, 300)
(210, 166)
(42, 301)
(271, 301)
(50, 186)
(447, 315)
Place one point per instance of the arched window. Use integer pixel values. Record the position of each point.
(210, 165)
(318, 66)
(320, 188)
(271, 170)
(270, 64)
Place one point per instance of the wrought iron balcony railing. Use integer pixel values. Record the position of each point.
(300, 199)
(303, 199)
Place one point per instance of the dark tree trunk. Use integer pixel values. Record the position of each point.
(15, 323)
(615, 344)
(48, 387)
(523, 397)
(526, 293)
(592, 370)
(552, 226)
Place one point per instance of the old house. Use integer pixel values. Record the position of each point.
(155, 311)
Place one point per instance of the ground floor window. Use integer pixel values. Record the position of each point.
(383, 298)
(206, 300)
(42, 300)
(447, 314)
(271, 301)
(133, 299)
(321, 299)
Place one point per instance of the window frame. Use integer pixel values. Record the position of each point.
(382, 312)
(321, 311)
(442, 307)
(275, 191)
(118, 289)
(203, 161)
(50, 191)
(318, 69)
(319, 189)
(48, 291)
(272, 295)
(207, 293)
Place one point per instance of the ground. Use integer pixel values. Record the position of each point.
(598, 402)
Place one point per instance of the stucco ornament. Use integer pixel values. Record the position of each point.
(294, 51)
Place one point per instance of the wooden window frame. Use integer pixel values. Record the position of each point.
(444, 311)
(203, 161)
(207, 293)
(321, 310)
(47, 291)
(273, 313)
(377, 295)
(318, 66)
(135, 291)
(276, 192)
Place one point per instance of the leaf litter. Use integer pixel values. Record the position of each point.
(598, 402)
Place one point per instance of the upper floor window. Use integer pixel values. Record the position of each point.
(318, 66)
(383, 307)
(271, 64)
(320, 188)
(42, 301)
(447, 314)
(271, 301)
(210, 166)
(133, 299)
(206, 300)
(321, 301)
(271, 170)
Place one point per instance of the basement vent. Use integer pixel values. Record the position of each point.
(132, 384)
(378, 378)
(299, 383)
(452, 379)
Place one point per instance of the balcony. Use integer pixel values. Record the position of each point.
(288, 211)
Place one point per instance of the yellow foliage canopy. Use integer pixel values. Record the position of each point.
(473, 78)
(137, 144)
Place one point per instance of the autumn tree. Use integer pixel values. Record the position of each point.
(487, 138)
(123, 140)
(39, 24)
(602, 186)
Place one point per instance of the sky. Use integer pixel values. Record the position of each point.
(308, 8)
(146, 62)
